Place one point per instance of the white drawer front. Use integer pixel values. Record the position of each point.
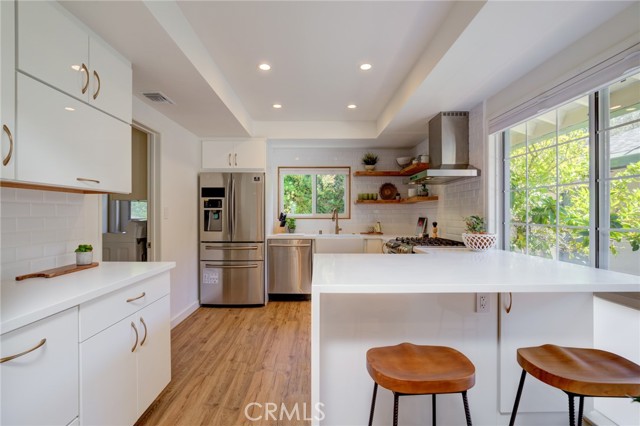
(100, 313)
(41, 387)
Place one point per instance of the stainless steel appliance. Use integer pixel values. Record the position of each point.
(448, 150)
(290, 266)
(405, 245)
(231, 210)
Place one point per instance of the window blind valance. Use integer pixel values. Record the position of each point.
(588, 80)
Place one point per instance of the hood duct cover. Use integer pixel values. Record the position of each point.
(448, 150)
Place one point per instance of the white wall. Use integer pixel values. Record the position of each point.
(40, 230)
(394, 218)
(178, 179)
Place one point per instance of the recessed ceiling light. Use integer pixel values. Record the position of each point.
(615, 107)
(264, 67)
(365, 67)
(69, 109)
(75, 67)
(352, 106)
(277, 106)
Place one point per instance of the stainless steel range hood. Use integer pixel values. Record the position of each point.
(448, 150)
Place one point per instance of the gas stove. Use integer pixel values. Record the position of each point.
(405, 245)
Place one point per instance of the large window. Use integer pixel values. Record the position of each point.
(314, 192)
(572, 181)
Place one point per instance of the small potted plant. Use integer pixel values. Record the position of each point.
(476, 238)
(291, 225)
(369, 160)
(84, 254)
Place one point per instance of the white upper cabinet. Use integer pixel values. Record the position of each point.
(110, 83)
(67, 143)
(55, 49)
(7, 89)
(245, 154)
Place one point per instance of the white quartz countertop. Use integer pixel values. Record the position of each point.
(460, 271)
(23, 302)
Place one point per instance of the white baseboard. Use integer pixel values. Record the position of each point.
(184, 314)
(596, 418)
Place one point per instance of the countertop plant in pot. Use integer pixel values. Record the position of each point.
(291, 225)
(476, 238)
(369, 160)
(84, 254)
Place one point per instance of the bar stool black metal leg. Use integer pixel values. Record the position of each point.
(433, 409)
(373, 402)
(572, 413)
(580, 410)
(517, 401)
(467, 413)
(395, 409)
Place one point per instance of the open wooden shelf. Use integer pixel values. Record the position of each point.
(407, 171)
(410, 200)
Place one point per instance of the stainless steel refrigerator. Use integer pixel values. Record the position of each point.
(231, 230)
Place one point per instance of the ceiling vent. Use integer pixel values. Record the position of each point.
(158, 97)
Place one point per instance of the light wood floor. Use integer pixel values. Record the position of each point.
(226, 358)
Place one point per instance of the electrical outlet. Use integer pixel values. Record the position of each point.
(482, 302)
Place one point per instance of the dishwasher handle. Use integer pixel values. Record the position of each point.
(251, 266)
(289, 245)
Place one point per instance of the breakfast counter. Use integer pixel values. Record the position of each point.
(24, 302)
(362, 301)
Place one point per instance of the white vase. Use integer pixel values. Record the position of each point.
(369, 167)
(84, 258)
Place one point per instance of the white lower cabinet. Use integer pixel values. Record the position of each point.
(40, 387)
(373, 245)
(125, 367)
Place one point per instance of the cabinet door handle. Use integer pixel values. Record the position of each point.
(137, 297)
(508, 308)
(136, 330)
(144, 324)
(229, 159)
(80, 179)
(9, 358)
(95, 74)
(6, 160)
(85, 70)
(235, 159)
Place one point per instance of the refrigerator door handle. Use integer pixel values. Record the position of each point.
(251, 266)
(233, 208)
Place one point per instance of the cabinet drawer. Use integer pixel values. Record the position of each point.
(100, 313)
(41, 386)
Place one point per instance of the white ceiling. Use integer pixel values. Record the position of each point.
(427, 56)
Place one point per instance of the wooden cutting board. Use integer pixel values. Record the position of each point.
(56, 272)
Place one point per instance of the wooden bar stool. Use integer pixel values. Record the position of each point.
(408, 369)
(578, 372)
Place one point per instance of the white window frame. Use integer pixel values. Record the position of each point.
(314, 172)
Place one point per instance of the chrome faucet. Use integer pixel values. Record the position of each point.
(334, 218)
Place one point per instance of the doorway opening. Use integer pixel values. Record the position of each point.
(128, 220)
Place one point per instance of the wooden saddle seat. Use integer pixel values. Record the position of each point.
(408, 369)
(417, 370)
(582, 371)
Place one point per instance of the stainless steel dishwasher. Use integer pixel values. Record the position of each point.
(290, 264)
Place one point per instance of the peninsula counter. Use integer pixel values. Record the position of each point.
(364, 300)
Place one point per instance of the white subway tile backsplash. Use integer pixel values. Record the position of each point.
(29, 224)
(40, 229)
(55, 197)
(30, 196)
(14, 209)
(29, 252)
